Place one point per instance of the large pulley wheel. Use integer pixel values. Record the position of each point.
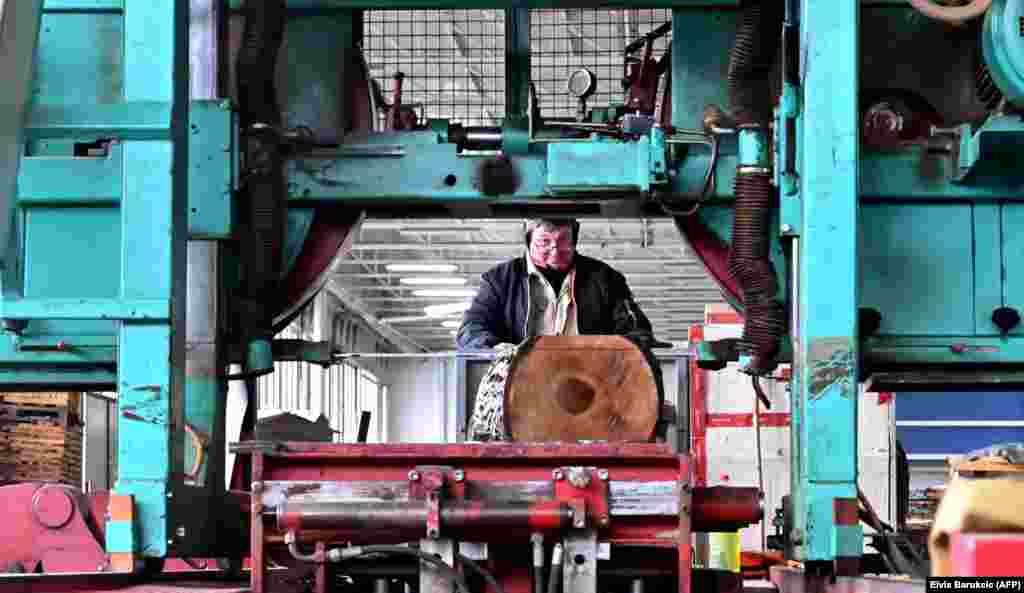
(581, 388)
(330, 97)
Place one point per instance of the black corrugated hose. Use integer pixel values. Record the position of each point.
(751, 103)
(263, 185)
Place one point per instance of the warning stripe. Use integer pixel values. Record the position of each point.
(767, 419)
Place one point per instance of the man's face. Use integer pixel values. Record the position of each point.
(552, 248)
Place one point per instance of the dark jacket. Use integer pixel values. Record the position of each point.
(604, 305)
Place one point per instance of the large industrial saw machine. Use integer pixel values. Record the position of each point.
(178, 179)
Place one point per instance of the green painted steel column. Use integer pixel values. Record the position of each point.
(517, 61)
(19, 34)
(825, 390)
(154, 223)
(824, 405)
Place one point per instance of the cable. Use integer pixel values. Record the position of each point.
(760, 393)
(444, 567)
(493, 582)
(709, 177)
(760, 460)
(341, 554)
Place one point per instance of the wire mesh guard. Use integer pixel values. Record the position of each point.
(454, 60)
(563, 41)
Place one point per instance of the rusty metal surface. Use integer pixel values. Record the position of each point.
(722, 505)
(643, 482)
(790, 580)
(627, 498)
(621, 453)
(572, 388)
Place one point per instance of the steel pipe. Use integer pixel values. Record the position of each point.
(721, 508)
(411, 515)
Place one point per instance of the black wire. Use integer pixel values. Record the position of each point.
(760, 393)
(706, 187)
(443, 566)
(493, 582)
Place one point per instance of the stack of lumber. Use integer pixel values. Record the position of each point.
(41, 437)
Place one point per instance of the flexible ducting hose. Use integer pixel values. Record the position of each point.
(751, 104)
(263, 185)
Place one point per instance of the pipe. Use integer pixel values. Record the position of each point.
(476, 137)
(717, 508)
(555, 577)
(750, 97)
(456, 516)
(538, 562)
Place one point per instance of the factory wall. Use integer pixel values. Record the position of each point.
(340, 392)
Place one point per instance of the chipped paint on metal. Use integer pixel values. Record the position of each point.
(833, 364)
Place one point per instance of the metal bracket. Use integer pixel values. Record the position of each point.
(991, 152)
(584, 488)
(579, 573)
(429, 483)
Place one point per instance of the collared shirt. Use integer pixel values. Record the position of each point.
(550, 314)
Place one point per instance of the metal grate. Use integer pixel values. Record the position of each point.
(565, 40)
(453, 60)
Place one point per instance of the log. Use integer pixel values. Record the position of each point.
(581, 388)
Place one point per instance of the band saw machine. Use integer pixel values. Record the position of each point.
(178, 179)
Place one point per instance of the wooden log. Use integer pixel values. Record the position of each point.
(581, 388)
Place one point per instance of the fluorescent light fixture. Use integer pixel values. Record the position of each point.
(451, 323)
(446, 309)
(427, 280)
(445, 292)
(448, 268)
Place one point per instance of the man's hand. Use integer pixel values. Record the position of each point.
(503, 348)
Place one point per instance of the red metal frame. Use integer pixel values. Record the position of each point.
(484, 467)
(987, 554)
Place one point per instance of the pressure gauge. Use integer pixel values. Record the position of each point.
(582, 83)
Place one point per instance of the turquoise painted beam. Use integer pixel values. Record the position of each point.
(71, 181)
(139, 309)
(83, 5)
(154, 224)
(20, 377)
(133, 120)
(19, 36)
(824, 471)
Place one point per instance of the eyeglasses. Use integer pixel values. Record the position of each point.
(552, 244)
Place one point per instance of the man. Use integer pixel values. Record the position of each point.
(553, 290)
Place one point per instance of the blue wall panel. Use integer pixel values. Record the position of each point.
(954, 408)
(960, 406)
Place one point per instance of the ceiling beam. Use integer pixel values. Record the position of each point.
(357, 307)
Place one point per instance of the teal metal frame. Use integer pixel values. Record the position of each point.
(118, 70)
(825, 388)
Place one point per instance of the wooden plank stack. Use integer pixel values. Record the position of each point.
(41, 437)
